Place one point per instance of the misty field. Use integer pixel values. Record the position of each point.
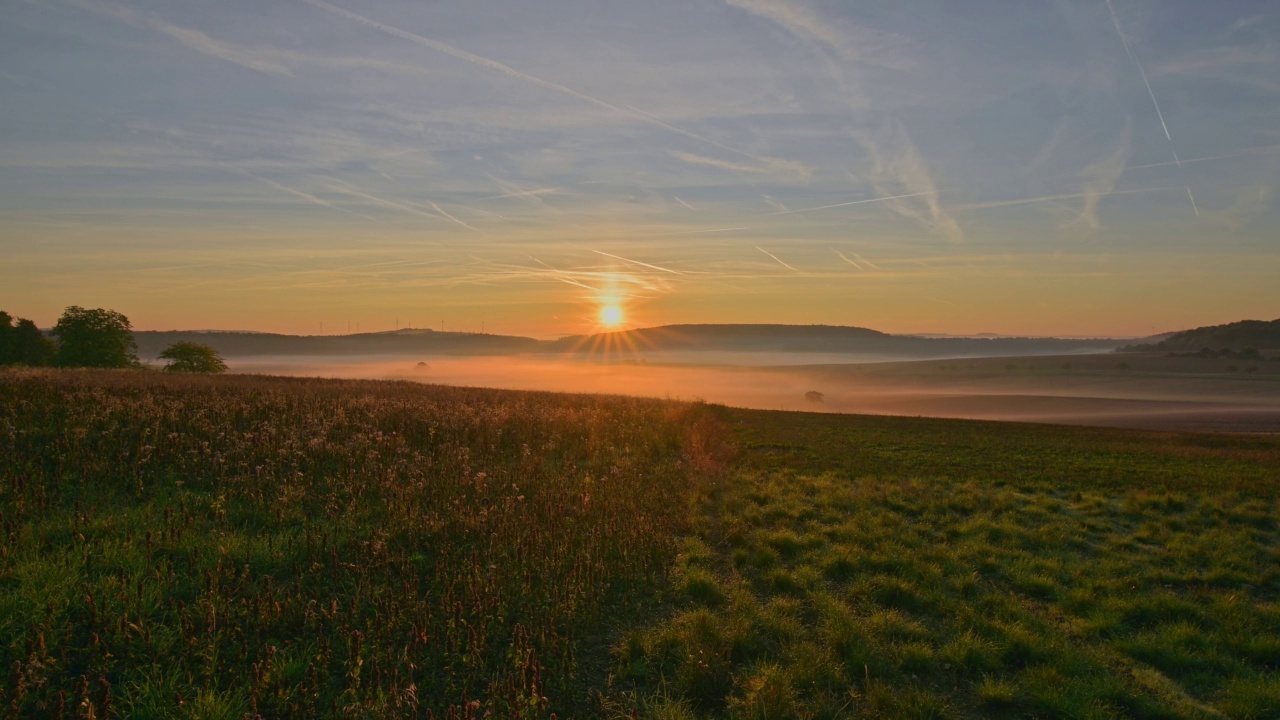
(267, 547)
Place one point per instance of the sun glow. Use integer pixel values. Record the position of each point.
(611, 316)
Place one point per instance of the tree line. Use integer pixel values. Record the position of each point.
(96, 338)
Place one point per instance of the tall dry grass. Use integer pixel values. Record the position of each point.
(254, 546)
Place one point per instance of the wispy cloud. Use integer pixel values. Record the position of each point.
(704, 161)
(899, 165)
(774, 203)
(193, 39)
(849, 43)
(1250, 203)
(499, 67)
(899, 169)
(674, 140)
(275, 62)
(1100, 181)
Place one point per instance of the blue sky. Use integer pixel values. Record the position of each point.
(1058, 167)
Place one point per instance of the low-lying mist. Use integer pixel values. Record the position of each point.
(1089, 390)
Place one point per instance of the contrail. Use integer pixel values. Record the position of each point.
(1050, 198)
(406, 206)
(530, 194)
(560, 274)
(575, 282)
(298, 193)
(677, 197)
(1124, 40)
(868, 263)
(1239, 153)
(512, 72)
(637, 262)
(842, 257)
(511, 190)
(775, 257)
(774, 203)
(855, 202)
(384, 202)
(440, 210)
(541, 263)
(700, 232)
(439, 214)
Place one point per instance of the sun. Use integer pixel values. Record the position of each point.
(611, 316)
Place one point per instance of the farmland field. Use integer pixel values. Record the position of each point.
(281, 547)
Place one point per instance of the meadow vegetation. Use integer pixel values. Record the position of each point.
(239, 546)
(913, 568)
(181, 546)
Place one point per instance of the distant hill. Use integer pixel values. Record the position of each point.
(401, 342)
(723, 338)
(1236, 336)
(820, 339)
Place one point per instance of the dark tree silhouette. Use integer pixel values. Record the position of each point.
(23, 344)
(32, 347)
(94, 338)
(192, 357)
(7, 354)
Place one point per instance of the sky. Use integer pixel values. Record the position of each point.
(1065, 167)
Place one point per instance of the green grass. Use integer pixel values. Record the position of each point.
(907, 568)
(236, 547)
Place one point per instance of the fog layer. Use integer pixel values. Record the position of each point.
(1125, 391)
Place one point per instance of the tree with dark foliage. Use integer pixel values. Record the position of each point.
(94, 338)
(31, 345)
(23, 344)
(7, 355)
(193, 357)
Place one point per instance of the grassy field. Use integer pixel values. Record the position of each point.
(263, 547)
(908, 568)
